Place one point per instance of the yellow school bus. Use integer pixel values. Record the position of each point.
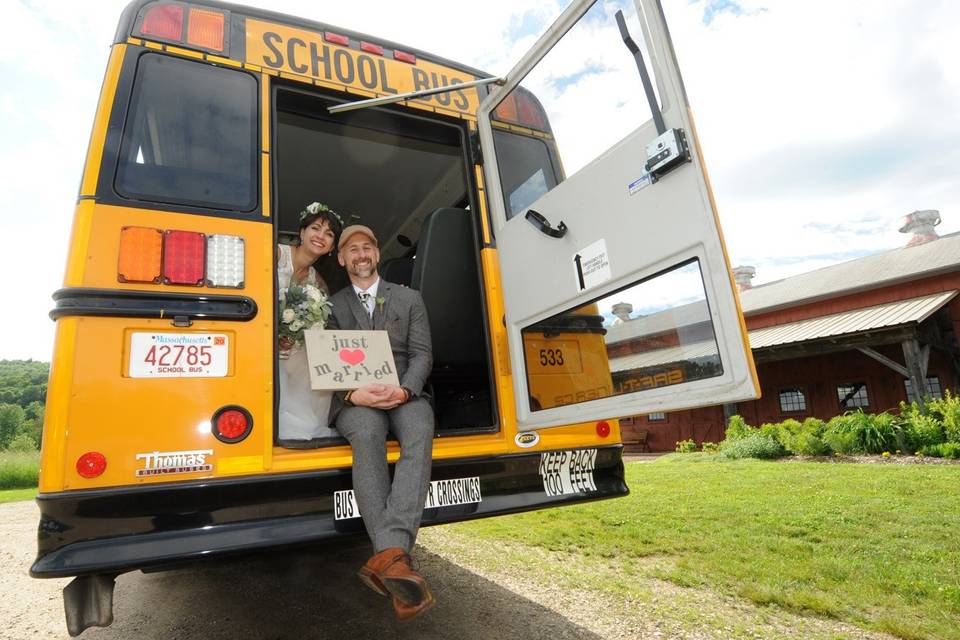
(215, 125)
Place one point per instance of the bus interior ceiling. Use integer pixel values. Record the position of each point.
(405, 177)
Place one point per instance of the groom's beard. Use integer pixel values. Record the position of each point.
(363, 268)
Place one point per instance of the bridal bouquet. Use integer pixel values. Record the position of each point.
(302, 306)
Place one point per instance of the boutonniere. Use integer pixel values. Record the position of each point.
(380, 302)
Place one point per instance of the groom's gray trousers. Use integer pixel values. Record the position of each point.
(391, 510)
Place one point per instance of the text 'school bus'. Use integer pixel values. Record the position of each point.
(213, 130)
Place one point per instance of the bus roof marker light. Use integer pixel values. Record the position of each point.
(163, 21)
(91, 464)
(403, 56)
(369, 47)
(225, 261)
(184, 254)
(336, 38)
(205, 29)
(141, 251)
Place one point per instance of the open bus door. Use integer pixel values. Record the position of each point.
(635, 226)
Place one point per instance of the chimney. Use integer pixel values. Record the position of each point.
(622, 310)
(920, 224)
(742, 276)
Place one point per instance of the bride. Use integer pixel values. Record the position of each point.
(303, 414)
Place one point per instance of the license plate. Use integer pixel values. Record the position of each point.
(178, 355)
(568, 472)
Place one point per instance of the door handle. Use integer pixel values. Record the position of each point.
(536, 219)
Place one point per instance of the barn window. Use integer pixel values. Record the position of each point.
(933, 389)
(853, 395)
(658, 416)
(792, 400)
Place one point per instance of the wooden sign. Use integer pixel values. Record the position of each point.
(349, 359)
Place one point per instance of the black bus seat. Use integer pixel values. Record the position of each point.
(397, 270)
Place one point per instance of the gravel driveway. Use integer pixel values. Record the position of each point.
(315, 594)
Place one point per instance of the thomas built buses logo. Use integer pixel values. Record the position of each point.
(161, 463)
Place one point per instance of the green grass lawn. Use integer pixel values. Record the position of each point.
(19, 470)
(16, 495)
(874, 545)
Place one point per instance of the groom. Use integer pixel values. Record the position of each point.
(391, 510)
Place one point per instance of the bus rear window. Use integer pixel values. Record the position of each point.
(190, 136)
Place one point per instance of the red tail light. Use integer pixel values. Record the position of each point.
(183, 257)
(91, 464)
(164, 21)
(521, 107)
(603, 428)
(232, 424)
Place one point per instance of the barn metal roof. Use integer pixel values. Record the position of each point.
(869, 272)
(891, 314)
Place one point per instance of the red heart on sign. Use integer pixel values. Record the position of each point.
(352, 357)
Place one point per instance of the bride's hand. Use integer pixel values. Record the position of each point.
(286, 344)
(378, 396)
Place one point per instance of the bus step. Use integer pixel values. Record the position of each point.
(88, 602)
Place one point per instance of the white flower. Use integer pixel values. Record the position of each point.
(314, 294)
(313, 207)
(288, 315)
(296, 325)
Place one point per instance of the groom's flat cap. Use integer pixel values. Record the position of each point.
(353, 230)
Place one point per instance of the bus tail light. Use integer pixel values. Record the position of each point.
(91, 464)
(184, 257)
(603, 428)
(232, 424)
(225, 261)
(141, 251)
(164, 22)
(205, 29)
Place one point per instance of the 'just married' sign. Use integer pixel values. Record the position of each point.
(349, 359)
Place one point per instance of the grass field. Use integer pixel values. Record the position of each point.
(19, 470)
(16, 495)
(874, 545)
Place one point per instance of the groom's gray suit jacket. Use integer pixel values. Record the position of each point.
(404, 317)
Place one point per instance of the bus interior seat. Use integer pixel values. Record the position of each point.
(445, 272)
(397, 270)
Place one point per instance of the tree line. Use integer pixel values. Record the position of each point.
(23, 392)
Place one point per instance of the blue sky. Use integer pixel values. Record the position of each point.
(822, 122)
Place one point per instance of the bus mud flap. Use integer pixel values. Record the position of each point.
(88, 602)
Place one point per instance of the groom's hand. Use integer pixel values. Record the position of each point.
(379, 396)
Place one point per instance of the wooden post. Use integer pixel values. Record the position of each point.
(913, 355)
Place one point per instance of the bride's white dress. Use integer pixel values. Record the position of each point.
(304, 413)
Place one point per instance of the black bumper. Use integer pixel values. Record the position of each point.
(118, 530)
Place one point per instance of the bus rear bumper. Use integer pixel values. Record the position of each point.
(112, 531)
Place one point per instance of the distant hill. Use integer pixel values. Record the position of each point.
(23, 382)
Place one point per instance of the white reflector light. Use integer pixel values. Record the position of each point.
(225, 258)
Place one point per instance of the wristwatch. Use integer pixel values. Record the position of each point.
(409, 393)
(346, 397)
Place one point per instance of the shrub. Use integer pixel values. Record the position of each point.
(23, 443)
(686, 446)
(737, 428)
(949, 450)
(808, 443)
(756, 445)
(710, 447)
(920, 430)
(947, 411)
(859, 432)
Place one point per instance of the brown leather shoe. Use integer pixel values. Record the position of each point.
(407, 612)
(389, 572)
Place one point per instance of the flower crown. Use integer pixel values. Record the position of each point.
(315, 207)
